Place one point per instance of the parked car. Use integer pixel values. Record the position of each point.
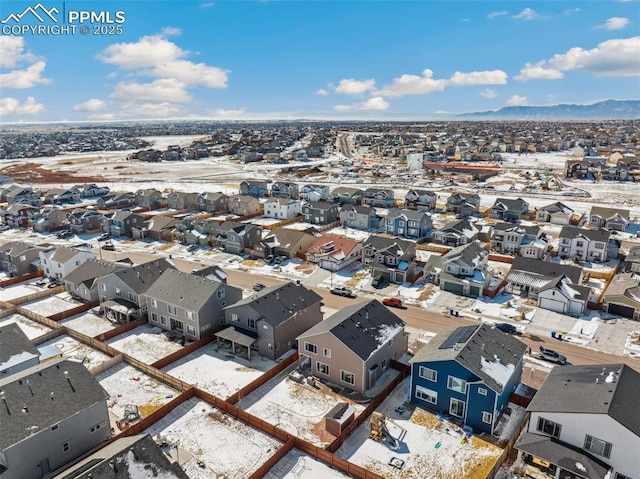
(64, 234)
(192, 248)
(109, 246)
(342, 291)
(5, 227)
(506, 327)
(269, 259)
(379, 282)
(280, 259)
(258, 286)
(104, 237)
(551, 355)
(392, 302)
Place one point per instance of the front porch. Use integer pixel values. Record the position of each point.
(230, 337)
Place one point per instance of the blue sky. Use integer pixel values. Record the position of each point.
(313, 59)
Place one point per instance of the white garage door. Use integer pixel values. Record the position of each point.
(552, 304)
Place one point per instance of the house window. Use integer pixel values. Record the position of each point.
(154, 303)
(384, 364)
(322, 368)
(597, 446)
(117, 291)
(252, 324)
(270, 347)
(23, 258)
(427, 373)
(66, 447)
(486, 417)
(103, 287)
(347, 377)
(456, 407)
(132, 297)
(326, 352)
(172, 309)
(579, 244)
(234, 317)
(482, 391)
(220, 293)
(163, 320)
(549, 427)
(190, 315)
(191, 330)
(154, 317)
(54, 427)
(427, 395)
(622, 476)
(456, 384)
(311, 348)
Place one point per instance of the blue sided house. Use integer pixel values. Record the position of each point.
(468, 373)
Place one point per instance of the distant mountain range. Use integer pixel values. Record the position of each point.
(604, 110)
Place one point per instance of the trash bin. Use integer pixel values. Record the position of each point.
(560, 337)
(553, 334)
(451, 312)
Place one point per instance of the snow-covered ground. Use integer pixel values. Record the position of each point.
(422, 456)
(224, 446)
(73, 349)
(87, 323)
(17, 291)
(349, 233)
(632, 344)
(218, 372)
(51, 305)
(29, 327)
(145, 343)
(298, 465)
(297, 408)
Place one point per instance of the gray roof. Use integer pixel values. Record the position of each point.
(485, 345)
(565, 285)
(359, 209)
(346, 190)
(141, 277)
(471, 254)
(399, 246)
(72, 393)
(595, 389)
(608, 212)
(362, 327)
(510, 204)
(522, 229)
(543, 270)
(62, 254)
(91, 270)
(412, 215)
(321, 205)
(276, 304)
(463, 226)
(557, 207)
(592, 235)
(13, 343)
(182, 289)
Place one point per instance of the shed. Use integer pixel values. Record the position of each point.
(338, 418)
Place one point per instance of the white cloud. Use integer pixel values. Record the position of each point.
(171, 31)
(11, 106)
(93, 104)
(146, 110)
(493, 15)
(102, 116)
(493, 77)
(615, 23)
(146, 52)
(27, 78)
(322, 92)
(229, 113)
(526, 14)
(538, 71)
(517, 100)
(350, 86)
(11, 51)
(376, 103)
(192, 73)
(412, 85)
(488, 93)
(162, 90)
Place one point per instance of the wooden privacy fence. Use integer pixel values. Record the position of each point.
(48, 336)
(40, 294)
(73, 311)
(120, 329)
(182, 352)
(506, 452)
(20, 279)
(282, 223)
(8, 312)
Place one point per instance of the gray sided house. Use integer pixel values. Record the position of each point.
(17, 352)
(211, 202)
(283, 189)
(61, 261)
(359, 217)
(82, 220)
(273, 318)
(149, 198)
(609, 218)
(518, 239)
(457, 233)
(115, 201)
(632, 260)
(287, 242)
(314, 193)
(51, 414)
(320, 213)
(241, 237)
(20, 194)
(82, 282)
(555, 213)
(122, 292)
(408, 223)
(190, 305)
(622, 296)
(393, 259)
(18, 258)
(244, 205)
(509, 209)
(354, 346)
(463, 204)
(18, 215)
(121, 222)
(378, 197)
(462, 271)
(255, 188)
(179, 200)
(49, 219)
(416, 199)
(345, 195)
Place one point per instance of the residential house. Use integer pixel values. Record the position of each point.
(282, 208)
(587, 245)
(556, 213)
(19, 258)
(212, 202)
(359, 217)
(463, 204)
(457, 233)
(469, 373)
(179, 200)
(528, 241)
(622, 296)
(20, 194)
(271, 320)
(60, 262)
(49, 219)
(82, 220)
(345, 195)
(122, 292)
(287, 242)
(160, 228)
(527, 276)
(393, 259)
(116, 201)
(462, 270)
(314, 193)
(243, 205)
(202, 232)
(91, 190)
(149, 198)
(632, 260)
(378, 198)
(508, 209)
(51, 414)
(577, 168)
(320, 213)
(335, 253)
(609, 218)
(583, 423)
(416, 199)
(354, 347)
(242, 237)
(120, 223)
(61, 195)
(17, 352)
(255, 188)
(284, 189)
(564, 297)
(190, 305)
(408, 223)
(82, 282)
(18, 215)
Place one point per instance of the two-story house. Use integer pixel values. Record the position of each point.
(282, 208)
(556, 213)
(190, 305)
(334, 253)
(359, 217)
(20, 194)
(463, 204)
(417, 199)
(456, 233)
(211, 202)
(285, 189)
(354, 346)
(17, 352)
(390, 259)
(18, 215)
(320, 213)
(116, 201)
(314, 193)
(271, 320)
(622, 296)
(632, 260)
(287, 242)
(528, 241)
(120, 223)
(609, 218)
(583, 423)
(587, 245)
(179, 200)
(378, 198)
(345, 195)
(149, 198)
(462, 270)
(82, 220)
(49, 219)
(255, 188)
(82, 282)
(90, 190)
(244, 205)
(414, 224)
(59, 262)
(509, 209)
(241, 237)
(468, 372)
(18, 258)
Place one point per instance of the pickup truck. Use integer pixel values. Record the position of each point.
(342, 291)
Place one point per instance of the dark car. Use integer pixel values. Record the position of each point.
(551, 355)
(506, 328)
(258, 286)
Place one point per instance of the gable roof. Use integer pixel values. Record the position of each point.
(362, 327)
(607, 213)
(592, 235)
(288, 238)
(141, 277)
(510, 204)
(557, 207)
(15, 346)
(399, 246)
(62, 254)
(489, 353)
(464, 227)
(537, 273)
(595, 389)
(90, 270)
(188, 291)
(342, 246)
(471, 254)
